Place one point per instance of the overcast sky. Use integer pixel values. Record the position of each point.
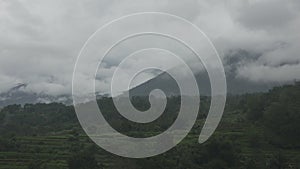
(40, 39)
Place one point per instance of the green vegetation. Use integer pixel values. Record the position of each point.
(257, 131)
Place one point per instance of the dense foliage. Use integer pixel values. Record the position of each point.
(258, 130)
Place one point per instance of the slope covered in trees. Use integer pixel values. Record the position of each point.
(259, 130)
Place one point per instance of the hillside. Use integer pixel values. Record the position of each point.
(259, 130)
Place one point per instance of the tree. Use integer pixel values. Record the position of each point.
(283, 123)
(278, 161)
(84, 160)
(218, 153)
(255, 107)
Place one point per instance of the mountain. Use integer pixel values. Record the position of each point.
(17, 95)
(235, 85)
(166, 83)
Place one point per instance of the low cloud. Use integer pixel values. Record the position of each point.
(40, 40)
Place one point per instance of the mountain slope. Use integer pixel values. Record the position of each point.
(17, 95)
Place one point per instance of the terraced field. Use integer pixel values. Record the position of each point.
(258, 131)
(51, 151)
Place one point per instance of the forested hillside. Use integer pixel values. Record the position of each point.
(257, 131)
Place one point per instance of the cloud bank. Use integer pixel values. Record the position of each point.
(40, 40)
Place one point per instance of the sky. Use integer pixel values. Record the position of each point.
(40, 40)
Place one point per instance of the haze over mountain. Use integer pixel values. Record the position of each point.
(235, 84)
(17, 95)
(258, 42)
(163, 81)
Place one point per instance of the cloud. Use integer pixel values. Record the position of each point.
(267, 14)
(265, 73)
(40, 40)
